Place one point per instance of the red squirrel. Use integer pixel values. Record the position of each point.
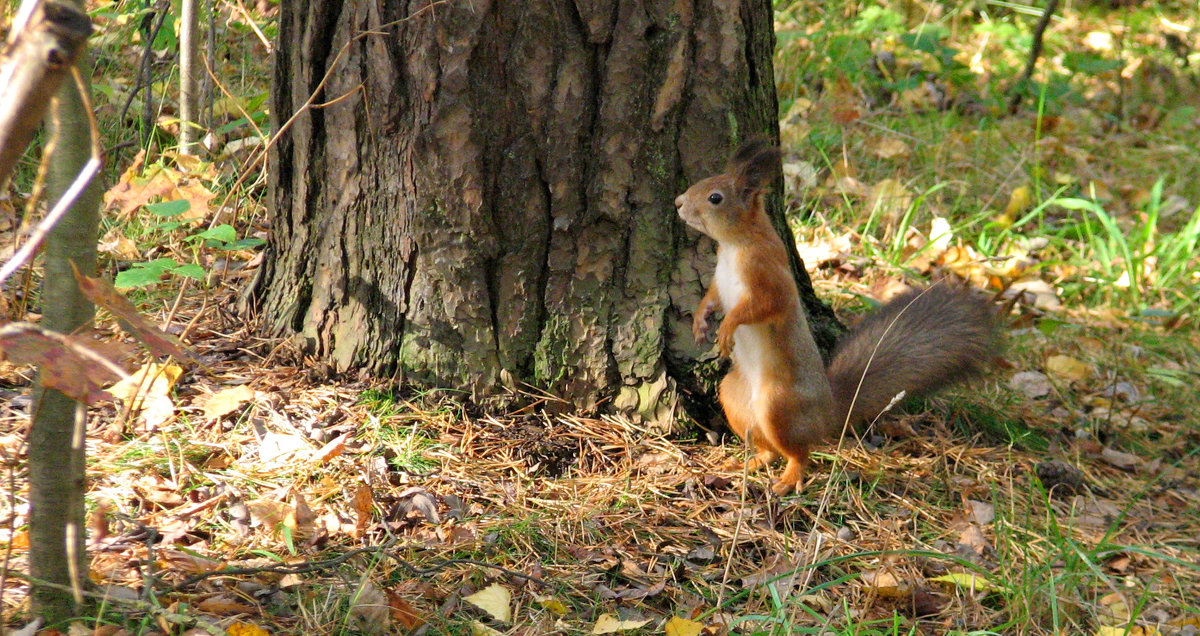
(774, 397)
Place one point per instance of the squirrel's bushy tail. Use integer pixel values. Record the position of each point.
(918, 342)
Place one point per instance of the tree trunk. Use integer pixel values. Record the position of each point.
(56, 438)
(487, 195)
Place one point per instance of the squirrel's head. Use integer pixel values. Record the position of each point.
(718, 206)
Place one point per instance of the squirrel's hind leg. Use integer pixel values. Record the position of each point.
(793, 474)
(782, 419)
(735, 395)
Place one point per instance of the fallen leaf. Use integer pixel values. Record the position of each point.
(303, 523)
(1019, 200)
(118, 246)
(479, 629)
(403, 612)
(66, 364)
(189, 562)
(136, 188)
(1031, 384)
(552, 605)
(363, 504)
(800, 176)
(890, 200)
(982, 513)
(968, 581)
(268, 512)
(891, 148)
(676, 626)
(226, 401)
(885, 584)
(331, 449)
(973, 538)
(940, 235)
(224, 604)
(609, 624)
(20, 540)
(197, 197)
(1037, 293)
(1117, 459)
(421, 501)
(494, 599)
(370, 608)
(1067, 368)
(246, 629)
(816, 601)
(1114, 609)
(148, 390)
(280, 448)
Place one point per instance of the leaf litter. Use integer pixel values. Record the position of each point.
(249, 495)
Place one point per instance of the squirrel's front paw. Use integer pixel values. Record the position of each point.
(700, 327)
(724, 341)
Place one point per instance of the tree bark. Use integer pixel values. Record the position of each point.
(32, 67)
(487, 195)
(189, 77)
(56, 438)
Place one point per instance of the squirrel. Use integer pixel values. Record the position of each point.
(774, 396)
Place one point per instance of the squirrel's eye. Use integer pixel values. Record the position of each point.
(715, 198)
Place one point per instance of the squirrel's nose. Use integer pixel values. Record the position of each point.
(679, 201)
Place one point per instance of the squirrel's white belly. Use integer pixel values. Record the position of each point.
(750, 342)
(730, 286)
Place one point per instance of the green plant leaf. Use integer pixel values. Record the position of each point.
(243, 244)
(137, 277)
(191, 270)
(169, 208)
(223, 233)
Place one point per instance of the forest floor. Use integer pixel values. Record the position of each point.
(1059, 494)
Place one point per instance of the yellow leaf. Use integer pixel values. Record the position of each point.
(609, 624)
(494, 599)
(197, 197)
(119, 246)
(816, 601)
(479, 629)
(149, 390)
(968, 581)
(1116, 610)
(677, 626)
(552, 605)
(246, 629)
(1120, 630)
(268, 512)
(1067, 368)
(886, 584)
(890, 148)
(227, 401)
(151, 379)
(890, 199)
(1018, 201)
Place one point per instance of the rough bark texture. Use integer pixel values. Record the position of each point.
(490, 198)
(56, 449)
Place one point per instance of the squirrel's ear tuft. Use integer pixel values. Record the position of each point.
(754, 163)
